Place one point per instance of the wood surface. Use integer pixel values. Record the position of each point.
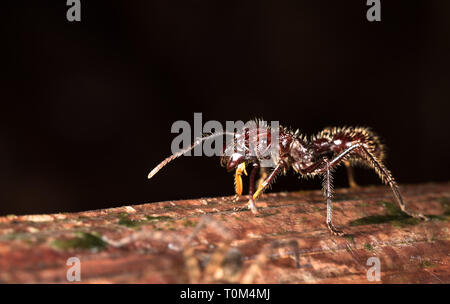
(287, 243)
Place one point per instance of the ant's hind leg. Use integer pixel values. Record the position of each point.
(387, 178)
(238, 185)
(351, 175)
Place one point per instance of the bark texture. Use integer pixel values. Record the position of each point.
(287, 243)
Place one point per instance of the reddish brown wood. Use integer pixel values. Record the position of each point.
(35, 248)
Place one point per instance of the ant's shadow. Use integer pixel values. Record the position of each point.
(396, 217)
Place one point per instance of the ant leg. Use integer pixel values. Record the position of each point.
(328, 188)
(262, 176)
(351, 175)
(384, 174)
(251, 188)
(263, 186)
(238, 186)
(388, 179)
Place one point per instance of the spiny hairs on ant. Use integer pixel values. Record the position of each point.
(317, 155)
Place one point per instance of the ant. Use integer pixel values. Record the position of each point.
(318, 155)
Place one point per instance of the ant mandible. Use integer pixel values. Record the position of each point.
(309, 157)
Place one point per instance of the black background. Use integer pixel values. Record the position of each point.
(86, 107)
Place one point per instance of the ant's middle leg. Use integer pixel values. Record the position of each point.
(328, 188)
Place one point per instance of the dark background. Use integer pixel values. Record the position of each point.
(86, 108)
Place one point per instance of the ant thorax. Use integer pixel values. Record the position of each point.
(301, 156)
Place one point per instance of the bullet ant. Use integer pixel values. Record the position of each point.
(309, 157)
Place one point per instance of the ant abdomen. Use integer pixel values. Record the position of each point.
(343, 138)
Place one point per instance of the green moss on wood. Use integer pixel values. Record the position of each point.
(83, 240)
(427, 264)
(125, 220)
(350, 238)
(189, 223)
(368, 247)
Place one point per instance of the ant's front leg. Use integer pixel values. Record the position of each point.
(262, 186)
(328, 188)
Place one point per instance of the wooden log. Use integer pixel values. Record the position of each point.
(287, 243)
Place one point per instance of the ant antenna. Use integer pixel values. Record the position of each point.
(197, 142)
